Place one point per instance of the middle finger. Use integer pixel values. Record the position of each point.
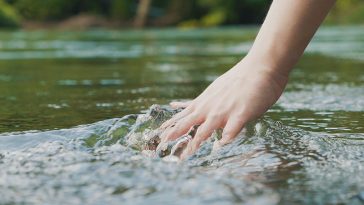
(181, 127)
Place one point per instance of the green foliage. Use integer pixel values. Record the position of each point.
(8, 16)
(214, 18)
(218, 12)
(189, 13)
(347, 12)
(49, 10)
(358, 16)
(45, 10)
(121, 9)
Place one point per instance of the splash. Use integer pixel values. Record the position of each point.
(103, 163)
(145, 134)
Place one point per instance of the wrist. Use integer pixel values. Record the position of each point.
(271, 61)
(256, 66)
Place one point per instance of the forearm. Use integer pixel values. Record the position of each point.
(286, 32)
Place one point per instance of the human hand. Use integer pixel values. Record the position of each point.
(250, 88)
(242, 94)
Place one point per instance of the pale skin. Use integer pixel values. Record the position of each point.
(254, 84)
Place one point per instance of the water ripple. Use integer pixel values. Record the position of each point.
(92, 164)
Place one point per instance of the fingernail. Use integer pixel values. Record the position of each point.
(225, 140)
(217, 145)
(173, 103)
(186, 152)
(222, 143)
(222, 140)
(165, 124)
(183, 155)
(163, 140)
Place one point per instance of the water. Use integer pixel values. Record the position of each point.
(67, 98)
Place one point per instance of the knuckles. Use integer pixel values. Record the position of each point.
(241, 116)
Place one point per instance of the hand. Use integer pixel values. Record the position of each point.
(251, 87)
(242, 94)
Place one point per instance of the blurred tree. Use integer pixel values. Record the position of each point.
(8, 16)
(173, 12)
(122, 9)
(162, 12)
(142, 13)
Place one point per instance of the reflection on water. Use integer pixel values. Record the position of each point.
(308, 149)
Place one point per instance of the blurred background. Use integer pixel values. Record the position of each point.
(81, 14)
(70, 62)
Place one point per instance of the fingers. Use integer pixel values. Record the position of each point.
(232, 128)
(176, 105)
(177, 117)
(203, 132)
(181, 127)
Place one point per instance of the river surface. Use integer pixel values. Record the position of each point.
(68, 99)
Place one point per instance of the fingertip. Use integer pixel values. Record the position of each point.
(178, 104)
(173, 120)
(180, 128)
(186, 153)
(169, 135)
(217, 145)
(166, 124)
(174, 104)
(203, 132)
(231, 130)
(225, 140)
(196, 142)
